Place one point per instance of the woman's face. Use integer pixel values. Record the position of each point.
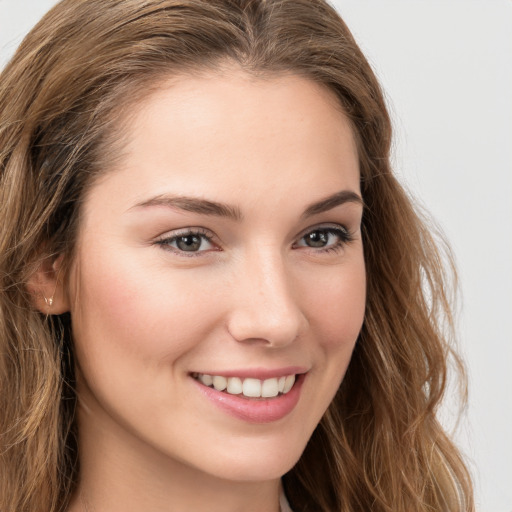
(225, 248)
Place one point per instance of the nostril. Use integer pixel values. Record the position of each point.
(263, 334)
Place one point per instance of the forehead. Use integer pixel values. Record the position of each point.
(217, 131)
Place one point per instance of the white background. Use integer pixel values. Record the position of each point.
(446, 67)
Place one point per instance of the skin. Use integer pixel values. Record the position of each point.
(146, 315)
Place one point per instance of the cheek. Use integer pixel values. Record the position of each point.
(338, 308)
(336, 314)
(129, 313)
(127, 306)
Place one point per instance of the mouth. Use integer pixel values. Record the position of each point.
(256, 395)
(248, 387)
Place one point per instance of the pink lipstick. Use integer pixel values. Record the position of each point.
(255, 396)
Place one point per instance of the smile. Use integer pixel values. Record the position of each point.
(248, 398)
(248, 387)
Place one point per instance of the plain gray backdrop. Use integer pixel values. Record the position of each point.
(446, 68)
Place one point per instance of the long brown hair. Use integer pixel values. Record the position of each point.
(379, 446)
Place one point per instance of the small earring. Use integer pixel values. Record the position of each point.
(49, 301)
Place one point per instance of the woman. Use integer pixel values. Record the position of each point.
(206, 303)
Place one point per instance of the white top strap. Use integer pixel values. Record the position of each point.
(283, 503)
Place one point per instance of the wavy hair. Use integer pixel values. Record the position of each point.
(63, 97)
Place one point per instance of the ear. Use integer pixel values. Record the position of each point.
(46, 285)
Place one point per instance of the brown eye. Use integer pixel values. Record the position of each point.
(325, 238)
(318, 238)
(189, 243)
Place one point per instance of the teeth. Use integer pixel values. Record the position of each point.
(251, 388)
(207, 380)
(220, 383)
(288, 383)
(270, 388)
(234, 386)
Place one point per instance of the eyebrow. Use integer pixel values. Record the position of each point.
(194, 205)
(330, 202)
(206, 207)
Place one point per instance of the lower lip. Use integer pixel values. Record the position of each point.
(261, 410)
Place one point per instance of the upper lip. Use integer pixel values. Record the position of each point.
(257, 373)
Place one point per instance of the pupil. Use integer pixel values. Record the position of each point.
(189, 243)
(317, 239)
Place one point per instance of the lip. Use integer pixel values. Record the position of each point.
(258, 373)
(255, 410)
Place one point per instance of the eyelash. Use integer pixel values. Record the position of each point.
(166, 242)
(343, 234)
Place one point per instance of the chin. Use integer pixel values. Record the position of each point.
(253, 465)
(256, 471)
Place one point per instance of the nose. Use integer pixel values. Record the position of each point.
(265, 306)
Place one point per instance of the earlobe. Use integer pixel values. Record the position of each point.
(46, 286)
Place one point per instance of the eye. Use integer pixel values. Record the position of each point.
(325, 238)
(191, 241)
